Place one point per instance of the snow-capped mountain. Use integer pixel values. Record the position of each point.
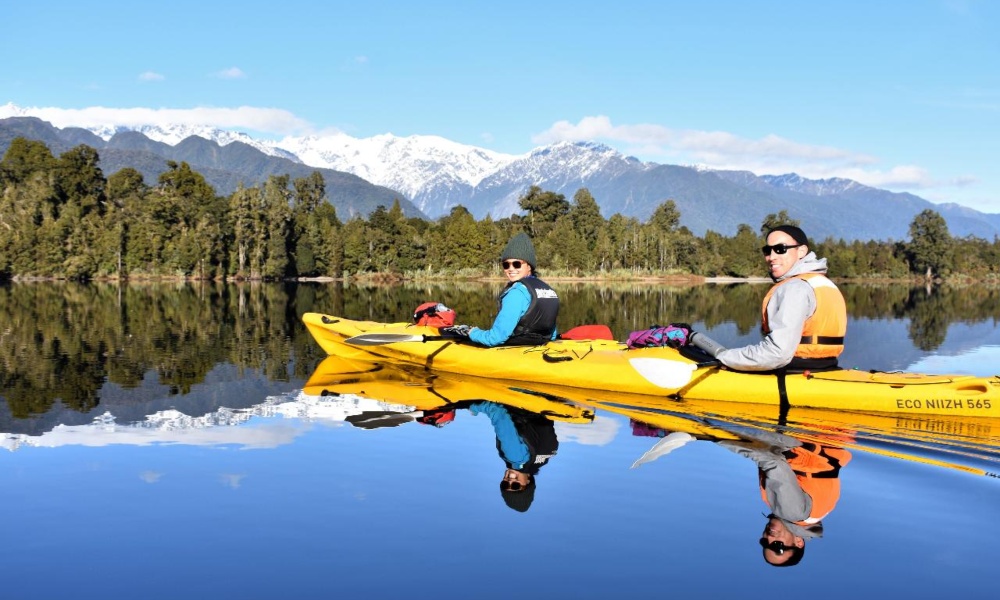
(168, 134)
(424, 168)
(433, 175)
(217, 428)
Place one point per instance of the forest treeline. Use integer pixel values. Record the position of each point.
(60, 217)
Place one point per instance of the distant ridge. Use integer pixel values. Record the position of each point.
(224, 167)
(430, 176)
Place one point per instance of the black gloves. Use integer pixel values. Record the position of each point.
(456, 331)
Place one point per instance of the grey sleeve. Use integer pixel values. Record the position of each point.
(784, 495)
(787, 311)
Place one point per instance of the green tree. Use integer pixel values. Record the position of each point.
(585, 215)
(930, 244)
(126, 192)
(243, 204)
(457, 243)
(742, 253)
(776, 220)
(307, 245)
(29, 206)
(543, 208)
(277, 228)
(660, 233)
(564, 248)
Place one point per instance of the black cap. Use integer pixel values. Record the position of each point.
(794, 232)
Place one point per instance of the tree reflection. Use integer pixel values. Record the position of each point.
(63, 342)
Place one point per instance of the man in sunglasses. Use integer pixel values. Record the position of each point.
(804, 316)
(528, 306)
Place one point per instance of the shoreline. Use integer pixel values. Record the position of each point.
(394, 279)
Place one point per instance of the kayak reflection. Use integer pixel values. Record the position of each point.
(428, 391)
(798, 452)
(522, 419)
(799, 480)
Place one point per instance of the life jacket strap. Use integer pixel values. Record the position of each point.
(823, 340)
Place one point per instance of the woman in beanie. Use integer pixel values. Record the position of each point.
(528, 306)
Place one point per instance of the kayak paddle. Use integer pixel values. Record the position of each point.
(378, 339)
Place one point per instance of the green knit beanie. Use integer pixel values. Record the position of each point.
(520, 247)
(520, 501)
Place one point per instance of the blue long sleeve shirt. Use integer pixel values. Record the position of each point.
(513, 448)
(513, 306)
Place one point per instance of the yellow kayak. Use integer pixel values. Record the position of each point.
(428, 391)
(664, 372)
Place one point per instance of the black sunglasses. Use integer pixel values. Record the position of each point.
(775, 546)
(512, 263)
(514, 486)
(777, 248)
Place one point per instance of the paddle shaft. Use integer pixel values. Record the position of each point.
(380, 339)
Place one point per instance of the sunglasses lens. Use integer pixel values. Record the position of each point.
(507, 264)
(775, 546)
(777, 249)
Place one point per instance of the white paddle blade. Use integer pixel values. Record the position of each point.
(664, 446)
(664, 373)
(378, 339)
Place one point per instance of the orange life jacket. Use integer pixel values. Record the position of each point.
(823, 332)
(817, 469)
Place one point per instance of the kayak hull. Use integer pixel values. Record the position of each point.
(596, 365)
(427, 391)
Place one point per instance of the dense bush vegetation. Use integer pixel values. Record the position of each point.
(61, 218)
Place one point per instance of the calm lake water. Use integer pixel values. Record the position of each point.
(163, 443)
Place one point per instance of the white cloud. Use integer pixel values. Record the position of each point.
(231, 73)
(232, 480)
(266, 120)
(600, 432)
(150, 476)
(771, 154)
(151, 76)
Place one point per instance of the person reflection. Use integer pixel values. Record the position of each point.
(799, 481)
(525, 442)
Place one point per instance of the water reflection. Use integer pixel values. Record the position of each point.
(799, 480)
(144, 363)
(967, 444)
(523, 420)
(149, 394)
(63, 345)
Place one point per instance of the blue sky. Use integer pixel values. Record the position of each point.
(903, 95)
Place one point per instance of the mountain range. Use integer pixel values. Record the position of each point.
(430, 175)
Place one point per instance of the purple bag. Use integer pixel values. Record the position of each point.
(674, 335)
